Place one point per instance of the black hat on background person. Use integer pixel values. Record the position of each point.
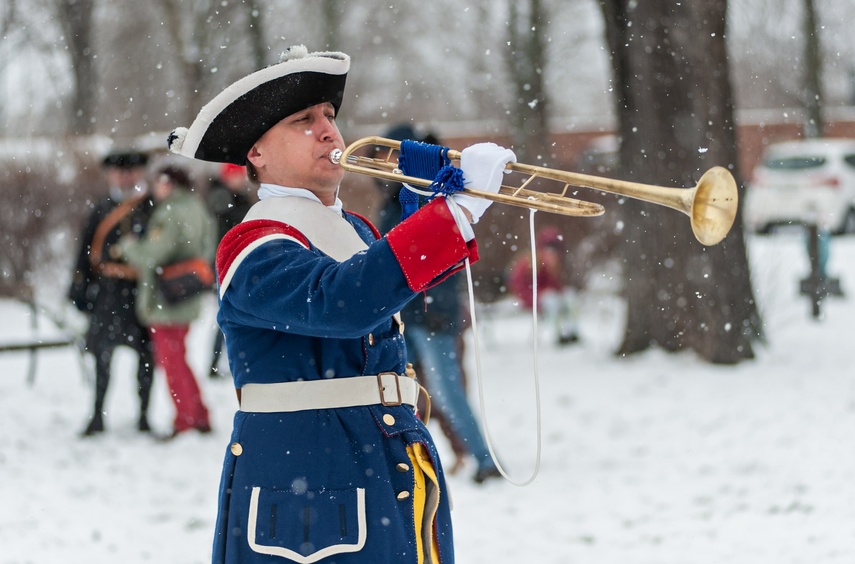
(125, 171)
(125, 159)
(228, 126)
(401, 132)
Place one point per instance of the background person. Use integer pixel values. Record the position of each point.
(555, 300)
(228, 199)
(434, 322)
(328, 460)
(180, 228)
(104, 287)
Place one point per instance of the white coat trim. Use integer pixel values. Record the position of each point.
(224, 285)
(314, 557)
(326, 229)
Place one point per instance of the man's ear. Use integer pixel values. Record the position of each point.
(255, 157)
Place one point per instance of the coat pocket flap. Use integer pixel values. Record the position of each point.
(308, 526)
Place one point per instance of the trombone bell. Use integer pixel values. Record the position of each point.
(714, 206)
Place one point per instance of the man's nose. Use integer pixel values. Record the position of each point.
(326, 129)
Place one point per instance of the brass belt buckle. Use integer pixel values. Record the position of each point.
(382, 389)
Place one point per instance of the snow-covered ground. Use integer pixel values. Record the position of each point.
(656, 459)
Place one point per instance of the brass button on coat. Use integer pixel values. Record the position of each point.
(403, 495)
(388, 420)
(371, 339)
(236, 449)
(401, 467)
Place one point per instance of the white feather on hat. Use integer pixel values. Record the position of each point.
(226, 127)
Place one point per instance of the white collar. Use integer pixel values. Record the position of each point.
(275, 191)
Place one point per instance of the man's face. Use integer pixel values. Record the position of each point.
(295, 152)
(162, 188)
(125, 178)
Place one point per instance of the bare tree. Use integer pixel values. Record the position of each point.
(332, 11)
(814, 124)
(770, 58)
(75, 17)
(764, 58)
(190, 47)
(675, 111)
(526, 56)
(7, 16)
(255, 31)
(34, 69)
(36, 210)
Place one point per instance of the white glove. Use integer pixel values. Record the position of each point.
(482, 165)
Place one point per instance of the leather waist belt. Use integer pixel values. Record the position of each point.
(386, 388)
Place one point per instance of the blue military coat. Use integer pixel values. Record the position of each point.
(326, 485)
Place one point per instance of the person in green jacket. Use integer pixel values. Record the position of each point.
(180, 228)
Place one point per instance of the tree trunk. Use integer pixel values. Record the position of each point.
(814, 124)
(675, 110)
(526, 61)
(331, 23)
(190, 49)
(255, 30)
(76, 20)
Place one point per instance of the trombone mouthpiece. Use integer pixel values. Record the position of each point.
(335, 156)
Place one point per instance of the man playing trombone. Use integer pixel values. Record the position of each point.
(328, 459)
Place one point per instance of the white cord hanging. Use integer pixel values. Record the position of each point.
(487, 434)
(415, 190)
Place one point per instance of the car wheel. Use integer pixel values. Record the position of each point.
(848, 225)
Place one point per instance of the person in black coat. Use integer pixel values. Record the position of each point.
(434, 337)
(105, 288)
(229, 201)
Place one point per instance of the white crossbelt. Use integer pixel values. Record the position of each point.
(386, 388)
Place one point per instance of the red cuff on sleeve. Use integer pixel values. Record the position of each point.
(429, 246)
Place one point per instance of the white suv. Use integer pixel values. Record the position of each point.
(804, 182)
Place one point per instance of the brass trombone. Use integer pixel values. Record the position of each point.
(711, 204)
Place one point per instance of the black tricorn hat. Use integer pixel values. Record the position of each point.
(125, 159)
(228, 126)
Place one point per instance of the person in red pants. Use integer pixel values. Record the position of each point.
(556, 300)
(180, 228)
(170, 353)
